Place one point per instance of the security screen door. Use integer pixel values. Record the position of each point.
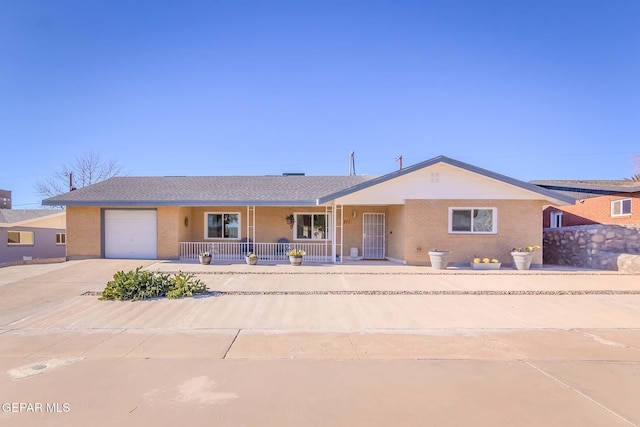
(373, 236)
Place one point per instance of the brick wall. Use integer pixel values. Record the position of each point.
(595, 210)
(396, 231)
(427, 228)
(169, 225)
(83, 232)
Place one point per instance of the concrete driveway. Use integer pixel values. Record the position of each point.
(318, 345)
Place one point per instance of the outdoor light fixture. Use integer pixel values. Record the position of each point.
(354, 213)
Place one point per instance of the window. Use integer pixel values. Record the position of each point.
(556, 219)
(20, 237)
(473, 220)
(61, 238)
(311, 226)
(621, 207)
(222, 226)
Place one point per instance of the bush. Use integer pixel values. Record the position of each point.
(185, 285)
(139, 284)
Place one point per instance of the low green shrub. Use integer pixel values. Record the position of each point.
(140, 284)
(185, 285)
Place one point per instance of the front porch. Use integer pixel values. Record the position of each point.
(236, 251)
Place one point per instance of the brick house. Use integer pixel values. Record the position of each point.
(439, 203)
(597, 202)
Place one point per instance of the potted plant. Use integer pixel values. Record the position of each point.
(205, 258)
(290, 220)
(439, 259)
(295, 256)
(485, 264)
(522, 257)
(251, 258)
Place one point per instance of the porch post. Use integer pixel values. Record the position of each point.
(337, 234)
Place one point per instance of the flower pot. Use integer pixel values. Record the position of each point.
(205, 260)
(251, 260)
(295, 260)
(439, 259)
(486, 266)
(522, 260)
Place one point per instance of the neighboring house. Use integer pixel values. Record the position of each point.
(32, 234)
(439, 203)
(597, 202)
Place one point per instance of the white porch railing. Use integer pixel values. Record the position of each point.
(236, 251)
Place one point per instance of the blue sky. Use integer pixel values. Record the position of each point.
(544, 89)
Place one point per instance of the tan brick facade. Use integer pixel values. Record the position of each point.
(427, 228)
(411, 230)
(83, 232)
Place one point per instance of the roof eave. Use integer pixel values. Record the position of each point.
(185, 203)
(549, 195)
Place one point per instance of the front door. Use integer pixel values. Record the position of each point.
(373, 236)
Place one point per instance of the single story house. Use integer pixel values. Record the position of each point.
(31, 235)
(597, 202)
(439, 203)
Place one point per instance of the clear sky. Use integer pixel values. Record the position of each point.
(533, 89)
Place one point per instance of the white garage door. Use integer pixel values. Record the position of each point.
(130, 234)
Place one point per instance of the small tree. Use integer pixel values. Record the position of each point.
(86, 169)
(636, 177)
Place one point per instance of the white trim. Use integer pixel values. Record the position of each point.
(206, 226)
(65, 239)
(33, 238)
(494, 219)
(621, 201)
(555, 219)
(328, 232)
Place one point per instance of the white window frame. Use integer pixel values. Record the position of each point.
(20, 233)
(555, 219)
(312, 239)
(621, 202)
(61, 238)
(494, 217)
(206, 226)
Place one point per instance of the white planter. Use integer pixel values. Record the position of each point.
(439, 259)
(486, 266)
(522, 260)
(205, 260)
(295, 260)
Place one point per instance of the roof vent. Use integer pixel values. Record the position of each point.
(293, 174)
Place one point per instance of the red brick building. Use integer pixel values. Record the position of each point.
(597, 202)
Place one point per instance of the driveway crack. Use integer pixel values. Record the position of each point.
(586, 396)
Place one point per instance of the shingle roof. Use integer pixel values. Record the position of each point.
(615, 186)
(10, 216)
(253, 190)
(207, 190)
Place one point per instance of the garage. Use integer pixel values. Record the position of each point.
(131, 233)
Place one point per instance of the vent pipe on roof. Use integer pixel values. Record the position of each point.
(352, 163)
(399, 160)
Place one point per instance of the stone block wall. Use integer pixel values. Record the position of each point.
(608, 247)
